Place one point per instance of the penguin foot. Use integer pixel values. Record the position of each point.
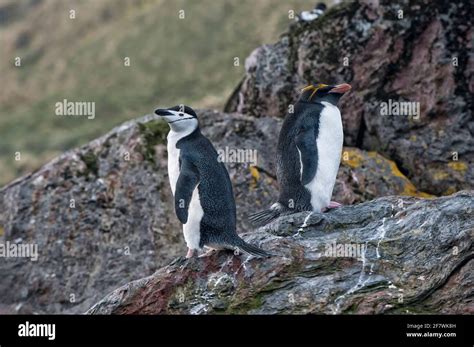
(331, 205)
(334, 204)
(178, 261)
(191, 262)
(208, 253)
(191, 253)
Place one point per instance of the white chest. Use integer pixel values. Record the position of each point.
(191, 229)
(173, 161)
(329, 143)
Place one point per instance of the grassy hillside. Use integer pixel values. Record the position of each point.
(172, 61)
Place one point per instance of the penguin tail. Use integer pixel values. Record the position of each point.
(251, 249)
(266, 216)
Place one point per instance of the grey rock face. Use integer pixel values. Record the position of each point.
(389, 255)
(422, 57)
(102, 215)
(99, 216)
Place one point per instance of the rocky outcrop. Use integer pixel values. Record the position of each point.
(408, 51)
(99, 215)
(102, 215)
(365, 176)
(390, 255)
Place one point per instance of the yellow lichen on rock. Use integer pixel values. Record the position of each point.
(254, 172)
(439, 175)
(255, 176)
(458, 166)
(376, 171)
(352, 157)
(408, 188)
(396, 171)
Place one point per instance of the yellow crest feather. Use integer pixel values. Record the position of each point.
(314, 89)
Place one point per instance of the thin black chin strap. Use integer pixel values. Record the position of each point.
(177, 120)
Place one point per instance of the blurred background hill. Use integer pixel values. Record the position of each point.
(172, 61)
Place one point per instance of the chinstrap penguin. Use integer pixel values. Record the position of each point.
(308, 16)
(308, 153)
(202, 190)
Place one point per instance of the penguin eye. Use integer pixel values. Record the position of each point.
(181, 114)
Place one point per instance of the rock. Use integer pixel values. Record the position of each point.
(422, 57)
(100, 215)
(103, 215)
(364, 176)
(398, 255)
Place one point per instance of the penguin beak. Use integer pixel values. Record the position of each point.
(341, 88)
(163, 112)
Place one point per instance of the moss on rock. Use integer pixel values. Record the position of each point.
(92, 164)
(153, 133)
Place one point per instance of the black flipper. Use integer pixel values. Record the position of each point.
(306, 144)
(187, 181)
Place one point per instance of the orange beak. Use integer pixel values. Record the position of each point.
(341, 88)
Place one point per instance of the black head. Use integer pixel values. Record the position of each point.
(181, 110)
(322, 92)
(320, 6)
(179, 118)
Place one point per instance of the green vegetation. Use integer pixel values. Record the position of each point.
(172, 61)
(90, 159)
(153, 132)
